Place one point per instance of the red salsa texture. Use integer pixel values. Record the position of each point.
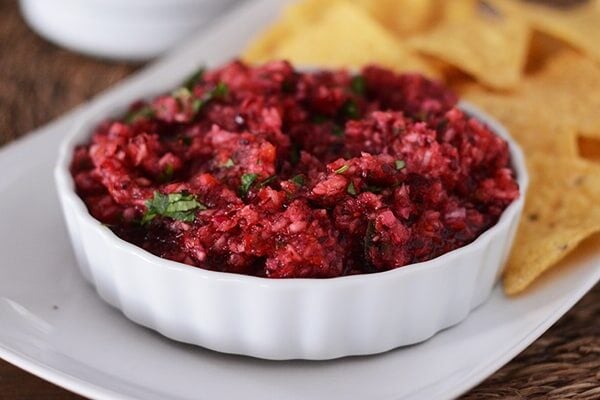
(279, 173)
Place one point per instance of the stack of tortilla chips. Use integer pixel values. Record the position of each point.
(533, 66)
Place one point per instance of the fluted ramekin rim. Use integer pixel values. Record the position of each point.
(98, 112)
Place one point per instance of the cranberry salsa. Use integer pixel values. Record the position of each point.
(279, 173)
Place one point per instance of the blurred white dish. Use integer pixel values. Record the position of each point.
(132, 30)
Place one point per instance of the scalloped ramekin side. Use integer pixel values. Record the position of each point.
(318, 320)
(313, 319)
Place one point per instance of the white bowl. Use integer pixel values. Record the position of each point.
(120, 29)
(282, 319)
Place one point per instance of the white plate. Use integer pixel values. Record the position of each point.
(53, 324)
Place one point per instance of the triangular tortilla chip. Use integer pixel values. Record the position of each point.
(527, 123)
(294, 17)
(346, 36)
(485, 39)
(578, 25)
(564, 95)
(541, 49)
(402, 17)
(561, 212)
(589, 148)
(568, 87)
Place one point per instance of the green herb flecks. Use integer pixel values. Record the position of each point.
(181, 94)
(351, 189)
(396, 130)
(219, 92)
(197, 105)
(179, 206)
(358, 85)
(185, 140)
(247, 182)
(319, 119)
(167, 174)
(337, 131)
(368, 239)
(228, 164)
(194, 79)
(399, 164)
(267, 181)
(342, 169)
(298, 180)
(420, 116)
(142, 112)
(295, 154)
(288, 86)
(350, 109)
(441, 126)
(374, 189)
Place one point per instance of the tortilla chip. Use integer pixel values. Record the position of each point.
(578, 25)
(402, 17)
(526, 122)
(346, 36)
(261, 48)
(562, 98)
(541, 49)
(453, 77)
(295, 17)
(589, 148)
(560, 212)
(568, 87)
(484, 39)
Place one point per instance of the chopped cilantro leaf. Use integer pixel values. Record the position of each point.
(197, 105)
(298, 180)
(179, 206)
(220, 91)
(167, 174)
(287, 86)
(268, 180)
(399, 164)
(186, 140)
(295, 154)
(342, 169)
(181, 93)
(350, 109)
(420, 116)
(396, 130)
(441, 126)
(368, 239)
(319, 119)
(374, 189)
(228, 164)
(247, 181)
(194, 79)
(351, 189)
(143, 112)
(338, 131)
(358, 85)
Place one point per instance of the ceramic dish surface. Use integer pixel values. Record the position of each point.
(280, 319)
(120, 29)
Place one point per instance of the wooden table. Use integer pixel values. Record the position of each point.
(39, 81)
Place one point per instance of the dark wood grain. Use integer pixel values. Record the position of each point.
(39, 81)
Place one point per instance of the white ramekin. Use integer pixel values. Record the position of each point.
(282, 319)
(121, 29)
